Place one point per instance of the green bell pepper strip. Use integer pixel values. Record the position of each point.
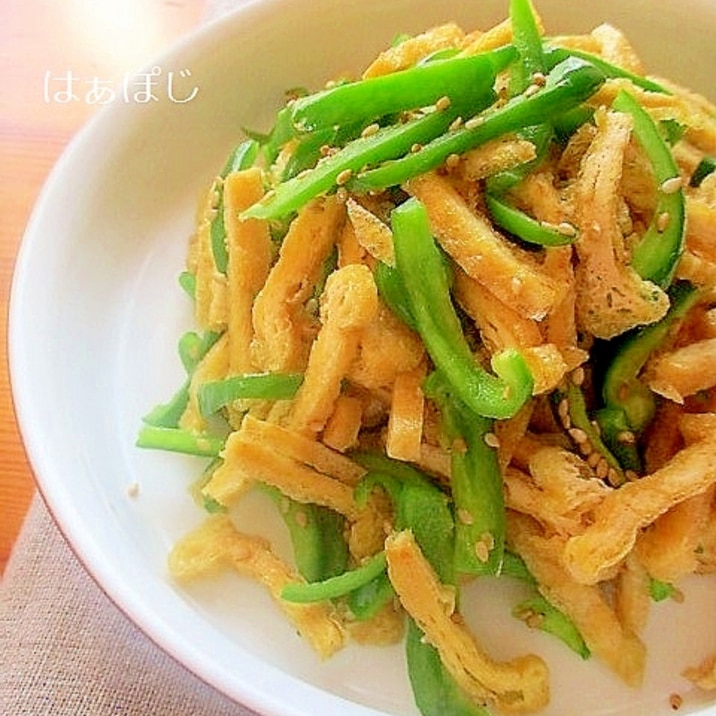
(419, 261)
(525, 227)
(366, 601)
(629, 405)
(464, 80)
(192, 348)
(178, 440)
(419, 506)
(317, 537)
(392, 290)
(540, 136)
(554, 55)
(338, 586)
(550, 619)
(435, 691)
(568, 85)
(660, 591)
(658, 251)
(386, 143)
(527, 39)
(475, 482)
(187, 282)
(705, 167)
(240, 158)
(267, 386)
(579, 418)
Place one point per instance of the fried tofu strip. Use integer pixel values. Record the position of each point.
(348, 304)
(249, 247)
(344, 423)
(282, 326)
(517, 686)
(501, 326)
(585, 605)
(670, 548)
(213, 366)
(371, 233)
(495, 156)
(217, 544)
(387, 348)
(611, 297)
(405, 422)
(559, 490)
(684, 371)
(295, 479)
(592, 556)
(481, 252)
(412, 50)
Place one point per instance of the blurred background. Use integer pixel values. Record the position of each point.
(59, 64)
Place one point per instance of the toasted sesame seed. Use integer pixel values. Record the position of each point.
(586, 448)
(602, 469)
(563, 409)
(578, 376)
(593, 459)
(416, 147)
(578, 435)
(370, 130)
(344, 176)
(626, 437)
(474, 122)
(452, 161)
(133, 489)
(443, 103)
(539, 79)
(663, 221)
(613, 477)
(301, 518)
(567, 229)
(671, 186)
(491, 440)
(531, 90)
(456, 124)
(483, 547)
(465, 516)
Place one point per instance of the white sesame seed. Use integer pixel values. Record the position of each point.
(671, 186)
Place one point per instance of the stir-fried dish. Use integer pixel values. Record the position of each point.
(456, 316)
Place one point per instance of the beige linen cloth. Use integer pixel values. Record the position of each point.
(67, 650)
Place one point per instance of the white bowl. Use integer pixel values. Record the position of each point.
(95, 315)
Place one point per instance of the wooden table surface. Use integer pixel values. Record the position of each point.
(41, 42)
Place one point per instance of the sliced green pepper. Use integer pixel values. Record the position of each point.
(568, 85)
(705, 167)
(547, 617)
(527, 228)
(554, 55)
(419, 261)
(335, 169)
(337, 586)
(475, 482)
(178, 440)
(317, 533)
(192, 348)
(268, 386)
(628, 404)
(435, 691)
(658, 251)
(464, 80)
